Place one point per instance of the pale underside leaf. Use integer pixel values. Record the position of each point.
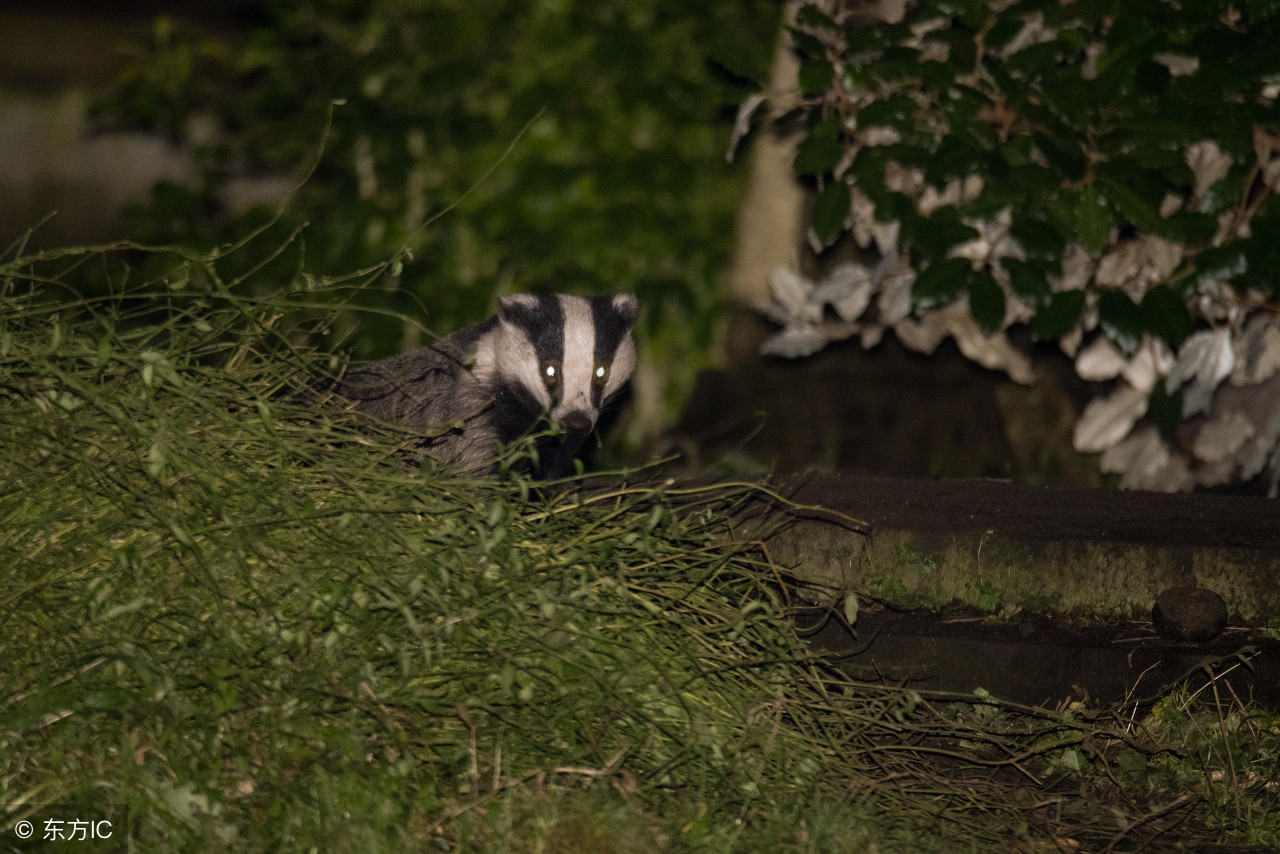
(795, 342)
(742, 124)
(1153, 361)
(1208, 163)
(1144, 461)
(1257, 352)
(1222, 436)
(1205, 360)
(1100, 361)
(1263, 447)
(895, 294)
(990, 351)
(1107, 420)
(792, 292)
(847, 289)
(1141, 261)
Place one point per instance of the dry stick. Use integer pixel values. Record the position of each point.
(1151, 816)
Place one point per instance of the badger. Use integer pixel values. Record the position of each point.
(543, 362)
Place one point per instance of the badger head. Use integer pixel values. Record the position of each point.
(557, 359)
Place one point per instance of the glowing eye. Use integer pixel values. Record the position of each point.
(601, 373)
(551, 373)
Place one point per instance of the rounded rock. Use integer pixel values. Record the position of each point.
(1189, 614)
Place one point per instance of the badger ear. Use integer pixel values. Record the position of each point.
(512, 308)
(627, 307)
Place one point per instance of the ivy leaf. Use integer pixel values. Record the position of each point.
(1135, 208)
(941, 283)
(1189, 228)
(1093, 220)
(1041, 241)
(1222, 194)
(1059, 316)
(1028, 281)
(739, 61)
(821, 151)
(1164, 313)
(986, 302)
(1165, 410)
(830, 212)
(806, 43)
(811, 16)
(1152, 78)
(1262, 250)
(895, 111)
(1121, 320)
(815, 76)
(933, 236)
(1107, 420)
(1228, 261)
(1003, 31)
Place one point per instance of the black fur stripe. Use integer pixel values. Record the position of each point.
(611, 328)
(541, 319)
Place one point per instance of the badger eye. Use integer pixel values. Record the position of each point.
(550, 373)
(600, 373)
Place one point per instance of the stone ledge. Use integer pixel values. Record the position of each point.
(999, 546)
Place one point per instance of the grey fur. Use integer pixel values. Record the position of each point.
(483, 384)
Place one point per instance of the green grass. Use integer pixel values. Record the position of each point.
(249, 626)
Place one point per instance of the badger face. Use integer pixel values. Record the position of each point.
(557, 358)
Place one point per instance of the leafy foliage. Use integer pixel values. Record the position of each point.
(234, 614)
(618, 181)
(1104, 173)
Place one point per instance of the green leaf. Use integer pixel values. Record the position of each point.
(1065, 159)
(806, 43)
(933, 237)
(898, 63)
(1165, 410)
(986, 302)
(1164, 313)
(1121, 320)
(962, 51)
(1222, 195)
(941, 283)
(815, 76)
(892, 206)
(821, 151)
(830, 211)
(955, 158)
(937, 76)
(1041, 241)
(1092, 220)
(1059, 315)
(1189, 228)
(811, 16)
(1262, 249)
(1003, 31)
(738, 60)
(1028, 281)
(1152, 78)
(895, 111)
(1135, 208)
(1228, 260)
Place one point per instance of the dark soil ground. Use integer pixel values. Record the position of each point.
(1048, 515)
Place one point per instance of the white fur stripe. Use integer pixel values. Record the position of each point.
(579, 359)
(510, 352)
(624, 363)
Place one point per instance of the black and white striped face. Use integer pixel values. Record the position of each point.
(566, 355)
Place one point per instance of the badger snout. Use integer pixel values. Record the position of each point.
(578, 425)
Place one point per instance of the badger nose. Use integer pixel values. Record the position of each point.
(578, 424)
